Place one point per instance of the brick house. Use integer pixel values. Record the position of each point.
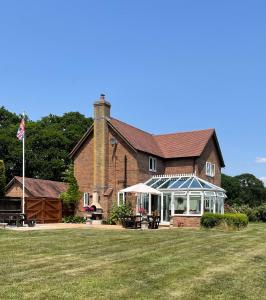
(113, 155)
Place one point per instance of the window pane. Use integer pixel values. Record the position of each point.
(121, 198)
(186, 184)
(161, 181)
(146, 202)
(208, 204)
(151, 181)
(195, 184)
(205, 185)
(150, 163)
(169, 182)
(166, 207)
(194, 204)
(156, 204)
(179, 182)
(180, 204)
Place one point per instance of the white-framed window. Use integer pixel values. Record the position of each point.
(152, 164)
(210, 169)
(85, 199)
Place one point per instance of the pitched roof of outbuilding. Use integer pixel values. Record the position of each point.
(174, 145)
(41, 187)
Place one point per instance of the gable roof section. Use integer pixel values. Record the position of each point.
(174, 145)
(184, 144)
(81, 141)
(41, 187)
(139, 139)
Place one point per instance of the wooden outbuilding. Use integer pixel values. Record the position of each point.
(42, 198)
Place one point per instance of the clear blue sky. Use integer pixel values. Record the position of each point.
(165, 66)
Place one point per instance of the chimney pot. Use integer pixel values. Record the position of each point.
(102, 97)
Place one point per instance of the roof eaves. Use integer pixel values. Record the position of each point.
(15, 179)
(121, 136)
(219, 149)
(81, 141)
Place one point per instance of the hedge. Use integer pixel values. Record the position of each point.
(231, 220)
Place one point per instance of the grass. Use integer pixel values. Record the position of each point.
(106, 264)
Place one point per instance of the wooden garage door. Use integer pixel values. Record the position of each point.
(44, 210)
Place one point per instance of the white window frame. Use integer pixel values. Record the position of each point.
(86, 199)
(210, 169)
(152, 164)
(118, 198)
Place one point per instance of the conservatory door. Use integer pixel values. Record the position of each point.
(166, 209)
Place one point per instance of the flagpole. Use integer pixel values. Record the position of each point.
(23, 170)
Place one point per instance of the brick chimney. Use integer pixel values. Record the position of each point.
(101, 146)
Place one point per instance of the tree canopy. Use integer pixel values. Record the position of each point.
(2, 178)
(244, 189)
(48, 143)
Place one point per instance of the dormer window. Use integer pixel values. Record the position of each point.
(210, 169)
(152, 164)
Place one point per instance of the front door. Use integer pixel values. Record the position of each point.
(166, 208)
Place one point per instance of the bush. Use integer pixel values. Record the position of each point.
(251, 212)
(255, 214)
(261, 213)
(118, 212)
(74, 219)
(231, 220)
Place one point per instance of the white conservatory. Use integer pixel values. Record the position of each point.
(182, 200)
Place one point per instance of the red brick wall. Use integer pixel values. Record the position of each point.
(209, 154)
(83, 168)
(122, 167)
(179, 166)
(143, 167)
(186, 221)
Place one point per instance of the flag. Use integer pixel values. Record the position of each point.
(21, 130)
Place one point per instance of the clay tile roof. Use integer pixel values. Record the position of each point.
(139, 139)
(43, 188)
(184, 144)
(174, 145)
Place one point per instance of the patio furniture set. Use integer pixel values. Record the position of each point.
(141, 222)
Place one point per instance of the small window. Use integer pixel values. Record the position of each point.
(86, 199)
(210, 169)
(152, 164)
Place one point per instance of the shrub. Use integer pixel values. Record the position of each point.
(72, 195)
(231, 220)
(254, 214)
(74, 219)
(118, 212)
(261, 213)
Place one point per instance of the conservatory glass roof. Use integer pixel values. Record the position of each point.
(185, 182)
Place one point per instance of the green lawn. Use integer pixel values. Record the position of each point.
(111, 264)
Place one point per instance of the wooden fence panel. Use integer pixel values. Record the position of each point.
(44, 210)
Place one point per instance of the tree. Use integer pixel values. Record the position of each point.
(72, 195)
(2, 178)
(244, 189)
(232, 187)
(48, 143)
